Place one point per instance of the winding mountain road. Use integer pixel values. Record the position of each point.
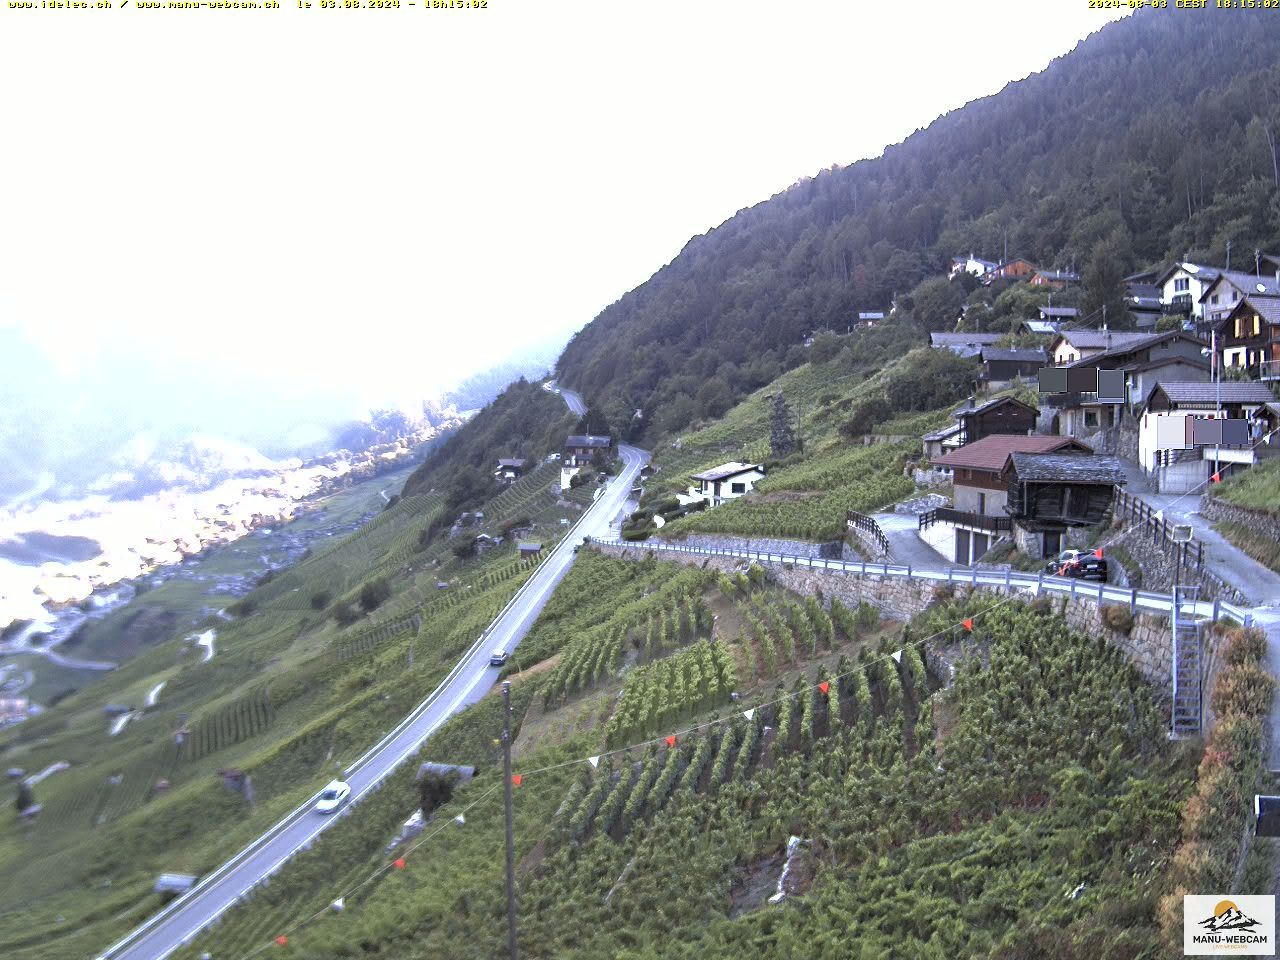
(469, 680)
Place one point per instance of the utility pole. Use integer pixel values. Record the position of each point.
(1228, 254)
(511, 841)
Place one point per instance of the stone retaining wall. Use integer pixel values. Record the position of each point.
(1262, 522)
(797, 548)
(1148, 645)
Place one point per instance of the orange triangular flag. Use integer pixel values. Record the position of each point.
(517, 778)
(1098, 553)
(968, 624)
(824, 687)
(282, 940)
(399, 864)
(671, 741)
(1217, 478)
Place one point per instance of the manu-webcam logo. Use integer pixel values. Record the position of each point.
(1214, 926)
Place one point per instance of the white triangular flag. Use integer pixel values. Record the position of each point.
(897, 656)
(594, 761)
(339, 904)
(749, 713)
(460, 819)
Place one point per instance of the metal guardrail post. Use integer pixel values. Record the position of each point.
(1133, 601)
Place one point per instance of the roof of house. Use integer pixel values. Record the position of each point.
(964, 410)
(999, 353)
(1041, 326)
(586, 440)
(1268, 308)
(962, 339)
(991, 452)
(1066, 467)
(1058, 274)
(1145, 341)
(1060, 312)
(1103, 339)
(973, 259)
(511, 461)
(1197, 362)
(1232, 391)
(731, 469)
(1204, 273)
(942, 434)
(1142, 291)
(527, 546)
(1012, 260)
(1247, 283)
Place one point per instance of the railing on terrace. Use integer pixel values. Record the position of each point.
(868, 525)
(1269, 370)
(965, 518)
(1031, 582)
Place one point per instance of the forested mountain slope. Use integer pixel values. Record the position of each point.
(1152, 139)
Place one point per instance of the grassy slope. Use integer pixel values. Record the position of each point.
(288, 697)
(1255, 489)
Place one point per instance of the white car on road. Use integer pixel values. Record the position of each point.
(333, 796)
(498, 658)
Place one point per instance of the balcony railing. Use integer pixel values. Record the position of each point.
(964, 518)
(1269, 370)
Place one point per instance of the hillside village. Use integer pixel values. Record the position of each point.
(1174, 395)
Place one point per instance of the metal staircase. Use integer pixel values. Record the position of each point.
(1188, 669)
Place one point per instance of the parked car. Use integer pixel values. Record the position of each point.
(333, 796)
(498, 658)
(1078, 563)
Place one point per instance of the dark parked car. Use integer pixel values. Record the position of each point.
(1078, 563)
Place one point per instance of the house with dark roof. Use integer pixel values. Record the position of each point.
(1045, 328)
(579, 451)
(978, 518)
(1174, 444)
(938, 443)
(1057, 279)
(1058, 315)
(1249, 336)
(1142, 360)
(511, 468)
(964, 344)
(1049, 493)
(726, 482)
(1002, 366)
(1068, 346)
(999, 415)
(1183, 283)
(1231, 286)
(1144, 303)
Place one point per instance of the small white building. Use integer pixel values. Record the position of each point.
(971, 264)
(726, 482)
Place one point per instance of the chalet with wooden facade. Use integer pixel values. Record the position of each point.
(1002, 415)
(1249, 336)
(981, 492)
(1048, 493)
(1070, 346)
(1018, 268)
(1002, 366)
(1056, 279)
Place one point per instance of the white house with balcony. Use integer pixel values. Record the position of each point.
(726, 482)
(1184, 284)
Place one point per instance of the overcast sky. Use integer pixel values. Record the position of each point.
(374, 203)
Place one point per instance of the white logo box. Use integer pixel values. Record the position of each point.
(1228, 925)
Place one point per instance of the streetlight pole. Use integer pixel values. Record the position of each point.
(511, 843)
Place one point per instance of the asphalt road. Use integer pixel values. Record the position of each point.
(468, 682)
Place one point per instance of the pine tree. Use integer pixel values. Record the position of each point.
(782, 428)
